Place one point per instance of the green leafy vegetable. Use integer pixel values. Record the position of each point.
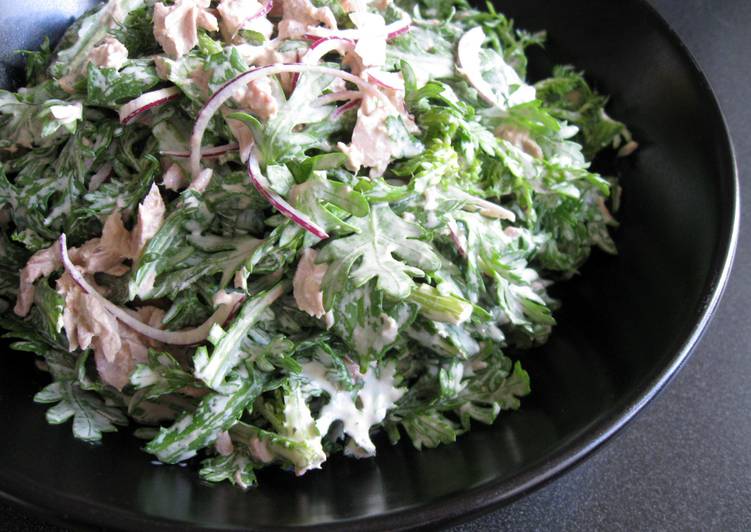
(228, 345)
(107, 87)
(453, 194)
(370, 253)
(215, 413)
(91, 417)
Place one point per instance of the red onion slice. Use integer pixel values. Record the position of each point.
(400, 27)
(210, 152)
(265, 10)
(456, 238)
(226, 91)
(279, 203)
(296, 76)
(339, 111)
(338, 97)
(325, 45)
(187, 337)
(131, 110)
(393, 30)
(387, 80)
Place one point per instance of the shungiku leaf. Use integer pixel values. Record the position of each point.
(385, 248)
(91, 417)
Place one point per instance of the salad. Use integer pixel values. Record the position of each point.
(261, 233)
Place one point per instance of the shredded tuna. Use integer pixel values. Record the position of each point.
(201, 77)
(110, 16)
(235, 16)
(176, 26)
(174, 179)
(109, 53)
(134, 350)
(223, 444)
(299, 15)
(41, 264)
(86, 320)
(117, 244)
(396, 97)
(107, 253)
(258, 97)
(150, 218)
(269, 54)
(162, 67)
(263, 55)
(307, 284)
(521, 140)
(371, 144)
(98, 255)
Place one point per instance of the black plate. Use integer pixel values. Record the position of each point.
(627, 324)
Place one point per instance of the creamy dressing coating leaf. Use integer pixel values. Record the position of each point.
(452, 192)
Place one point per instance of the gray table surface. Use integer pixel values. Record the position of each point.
(685, 462)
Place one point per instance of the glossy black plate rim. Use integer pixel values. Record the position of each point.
(83, 514)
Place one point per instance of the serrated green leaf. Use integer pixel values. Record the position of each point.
(371, 254)
(214, 414)
(312, 196)
(237, 467)
(91, 417)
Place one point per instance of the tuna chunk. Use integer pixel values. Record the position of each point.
(110, 53)
(371, 144)
(174, 179)
(135, 348)
(176, 26)
(521, 140)
(117, 244)
(150, 218)
(87, 322)
(41, 264)
(107, 253)
(235, 16)
(98, 255)
(269, 54)
(307, 284)
(299, 15)
(258, 97)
